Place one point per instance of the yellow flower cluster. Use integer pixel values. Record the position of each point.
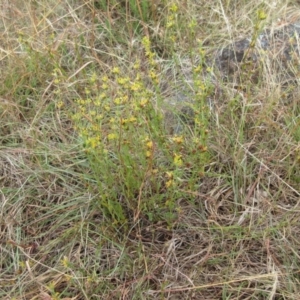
(153, 74)
(171, 19)
(149, 148)
(170, 179)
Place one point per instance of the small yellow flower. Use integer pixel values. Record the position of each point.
(192, 24)
(136, 86)
(104, 86)
(112, 136)
(144, 102)
(107, 108)
(169, 183)
(137, 65)
(104, 78)
(146, 42)
(132, 119)
(169, 175)
(150, 55)
(209, 69)
(125, 99)
(93, 78)
(22, 264)
(149, 145)
(65, 262)
(123, 80)
(97, 102)
(153, 76)
(177, 160)
(93, 142)
(60, 104)
(116, 70)
(198, 69)
(154, 171)
(83, 109)
(138, 77)
(170, 23)
(118, 101)
(178, 139)
(102, 96)
(179, 210)
(201, 51)
(95, 127)
(173, 38)
(262, 15)
(174, 8)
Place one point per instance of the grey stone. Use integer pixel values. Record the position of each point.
(279, 46)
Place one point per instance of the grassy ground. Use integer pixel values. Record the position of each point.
(129, 169)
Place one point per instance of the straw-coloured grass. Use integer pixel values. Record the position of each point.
(133, 166)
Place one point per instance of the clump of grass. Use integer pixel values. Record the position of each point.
(117, 179)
